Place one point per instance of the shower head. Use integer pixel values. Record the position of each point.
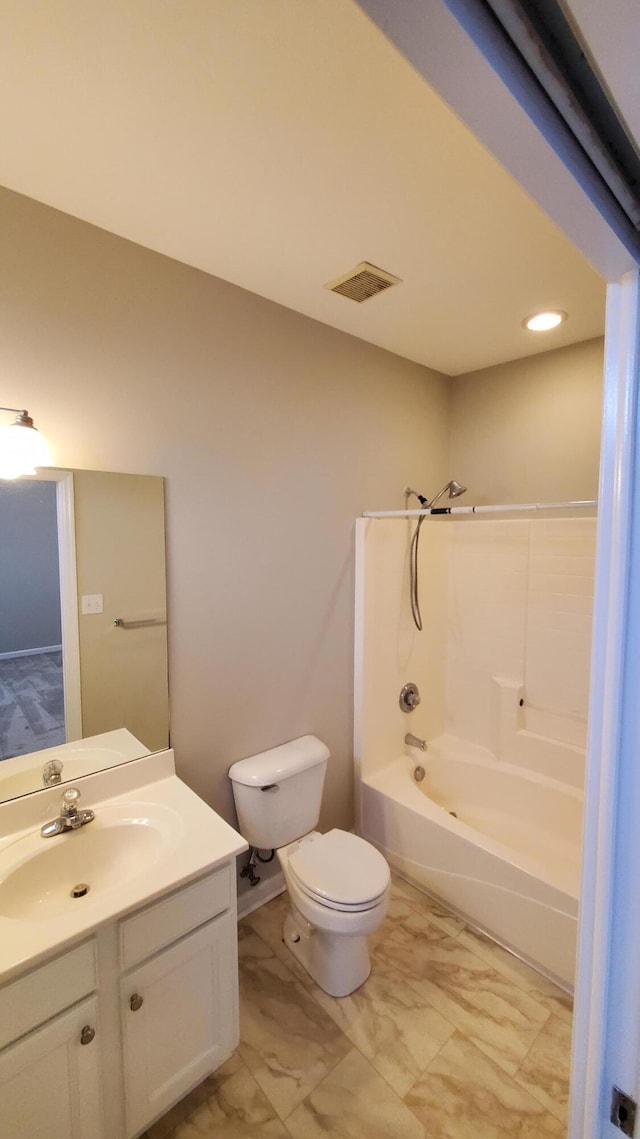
(453, 489)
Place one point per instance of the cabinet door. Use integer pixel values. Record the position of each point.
(179, 1013)
(50, 1080)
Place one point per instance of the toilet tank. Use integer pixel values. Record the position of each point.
(278, 792)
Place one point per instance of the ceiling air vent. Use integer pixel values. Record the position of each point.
(363, 282)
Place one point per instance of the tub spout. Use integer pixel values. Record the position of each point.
(413, 741)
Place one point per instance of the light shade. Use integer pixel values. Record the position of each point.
(544, 321)
(22, 448)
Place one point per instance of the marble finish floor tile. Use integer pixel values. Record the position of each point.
(545, 1069)
(439, 915)
(397, 1030)
(464, 1095)
(398, 911)
(227, 1105)
(412, 922)
(502, 1019)
(354, 1102)
(268, 923)
(451, 1037)
(542, 990)
(287, 1040)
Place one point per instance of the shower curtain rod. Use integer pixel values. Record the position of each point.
(507, 508)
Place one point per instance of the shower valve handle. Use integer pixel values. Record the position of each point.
(409, 697)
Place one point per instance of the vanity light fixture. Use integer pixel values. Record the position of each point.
(22, 447)
(544, 321)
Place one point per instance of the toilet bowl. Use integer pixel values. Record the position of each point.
(334, 906)
(338, 883)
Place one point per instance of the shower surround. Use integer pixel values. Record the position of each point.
(502, 664)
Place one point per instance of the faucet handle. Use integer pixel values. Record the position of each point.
(52, 773)
(70, 800)
(409, 697)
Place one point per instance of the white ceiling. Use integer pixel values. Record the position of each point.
(277, 144)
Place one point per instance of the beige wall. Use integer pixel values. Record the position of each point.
(273, 431)
(529, 431)
(120, 554)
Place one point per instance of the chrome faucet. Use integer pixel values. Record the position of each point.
(413, 741)
(70, 817)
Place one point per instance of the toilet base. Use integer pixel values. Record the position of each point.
(339, 963)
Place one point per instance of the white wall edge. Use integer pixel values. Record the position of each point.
(69, 608)
(358, 665)
(607, 674)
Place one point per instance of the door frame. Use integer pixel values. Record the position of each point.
(69, 606)
(611, 730)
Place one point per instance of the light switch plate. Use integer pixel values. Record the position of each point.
(91, 603)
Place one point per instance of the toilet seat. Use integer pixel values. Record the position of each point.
(340, 870)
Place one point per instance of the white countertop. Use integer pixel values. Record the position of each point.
(204, 842)
(79, 758)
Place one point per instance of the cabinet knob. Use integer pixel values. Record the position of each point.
(87, 1034)
(136, 1002)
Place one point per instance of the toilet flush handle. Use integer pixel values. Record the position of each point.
(271, 787)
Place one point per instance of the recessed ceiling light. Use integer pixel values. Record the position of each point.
(543, 321)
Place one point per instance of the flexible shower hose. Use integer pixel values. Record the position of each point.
(413, 574)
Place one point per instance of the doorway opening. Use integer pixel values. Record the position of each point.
(39, 665)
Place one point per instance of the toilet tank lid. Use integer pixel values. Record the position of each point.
(279, 762)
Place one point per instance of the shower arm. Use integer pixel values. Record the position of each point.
(439, 495)
(425, 504)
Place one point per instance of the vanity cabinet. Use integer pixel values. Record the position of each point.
(102, 1040)
(50, 1082)
(50, 1078)
(178, 1021)
(178, 994)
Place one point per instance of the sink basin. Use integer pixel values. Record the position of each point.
(48, 877)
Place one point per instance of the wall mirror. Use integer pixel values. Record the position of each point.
(83, 624)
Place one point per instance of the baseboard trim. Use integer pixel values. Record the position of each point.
(31, 652)
(259, 895)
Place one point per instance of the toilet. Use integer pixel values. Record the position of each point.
(338, 884)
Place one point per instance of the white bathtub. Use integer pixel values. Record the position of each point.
(509, 862)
